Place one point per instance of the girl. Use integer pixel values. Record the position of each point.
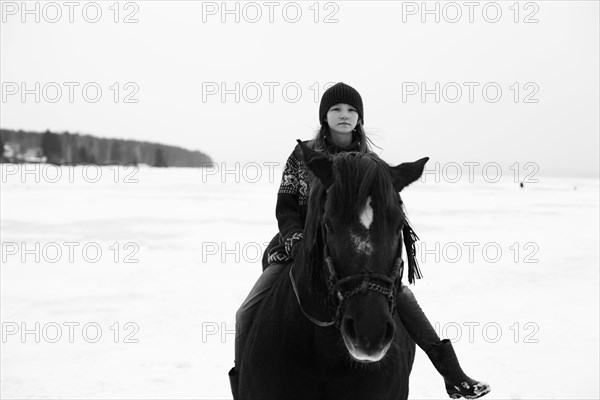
(341, 118)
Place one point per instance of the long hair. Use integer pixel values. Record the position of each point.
(319, 142)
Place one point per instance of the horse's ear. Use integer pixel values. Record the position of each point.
(320, 164)
(406, 173)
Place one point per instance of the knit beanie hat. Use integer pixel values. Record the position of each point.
(340, 93)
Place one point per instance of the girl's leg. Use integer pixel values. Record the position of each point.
(245, 314)
(440, 352)
(415, 321)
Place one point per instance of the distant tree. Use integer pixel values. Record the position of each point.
(82, 156)
(115, 156)
(159, 158)
(51, 146)
(91, 158)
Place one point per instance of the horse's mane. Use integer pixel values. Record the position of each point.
(356, 177)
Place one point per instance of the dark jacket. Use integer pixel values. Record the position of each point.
(292, 205)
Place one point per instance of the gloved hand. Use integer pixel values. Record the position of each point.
(278, 254)
(293, 244)
(296, 246)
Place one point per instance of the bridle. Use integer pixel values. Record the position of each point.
(338, 295)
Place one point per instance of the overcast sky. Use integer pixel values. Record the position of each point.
(524, 88)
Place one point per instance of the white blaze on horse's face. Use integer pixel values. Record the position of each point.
(366, 216)
(362, 241)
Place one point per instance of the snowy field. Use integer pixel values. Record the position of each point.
(511, 275)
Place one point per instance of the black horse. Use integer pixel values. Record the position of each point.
(327, 328)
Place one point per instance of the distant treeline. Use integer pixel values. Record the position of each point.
(73, 148)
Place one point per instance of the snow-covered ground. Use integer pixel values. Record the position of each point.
(515, 283)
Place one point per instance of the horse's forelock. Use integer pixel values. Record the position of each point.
(359, 176)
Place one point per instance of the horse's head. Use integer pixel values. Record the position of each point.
(354, 239)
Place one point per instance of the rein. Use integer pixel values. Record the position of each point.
(379, 283)
(307, 315)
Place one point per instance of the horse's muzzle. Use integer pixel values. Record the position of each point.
(367, 333)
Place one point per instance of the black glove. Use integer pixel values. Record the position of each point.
(293, 244)
(278, 255)
(296, 246)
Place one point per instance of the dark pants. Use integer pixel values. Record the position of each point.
(245, 315)
(409, 311)
(414, 320)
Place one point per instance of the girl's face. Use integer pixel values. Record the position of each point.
(342, 118)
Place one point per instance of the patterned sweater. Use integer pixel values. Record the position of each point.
(292, 202)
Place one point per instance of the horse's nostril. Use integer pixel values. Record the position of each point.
(349, 327)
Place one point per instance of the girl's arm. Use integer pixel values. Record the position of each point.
(291, 192)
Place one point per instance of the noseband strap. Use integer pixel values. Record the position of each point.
(379, 283)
